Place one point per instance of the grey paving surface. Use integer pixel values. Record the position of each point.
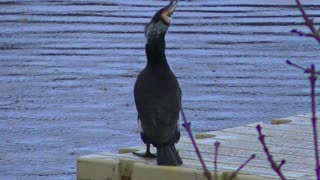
(67, 70)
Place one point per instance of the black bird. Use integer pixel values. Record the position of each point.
(157, 93)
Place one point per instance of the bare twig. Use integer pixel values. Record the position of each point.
(215, 162)
(283, 161)
(295, 65)
(309, 23)
(274, 166)
(187, 126)
(300, 33)
(313, 79)
(234, 174)
(306, 70)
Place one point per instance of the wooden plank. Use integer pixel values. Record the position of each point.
(237, 145)
(238, 151)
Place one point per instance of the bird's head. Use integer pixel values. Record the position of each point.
(160, 22)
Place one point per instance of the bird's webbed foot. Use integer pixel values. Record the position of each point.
(146, 154)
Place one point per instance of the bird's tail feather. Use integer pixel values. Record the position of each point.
(168, 155)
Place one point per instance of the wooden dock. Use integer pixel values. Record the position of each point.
(288, 138)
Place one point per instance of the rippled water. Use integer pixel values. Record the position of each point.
(67, 70)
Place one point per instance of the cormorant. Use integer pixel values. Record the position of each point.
(157, 93)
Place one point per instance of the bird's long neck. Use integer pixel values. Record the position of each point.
(155, 51)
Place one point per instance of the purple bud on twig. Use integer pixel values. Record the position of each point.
(234, 174)
(186, 125)
(261, 137)
(215, 162)
(217, 144)
(289, 62)
(253, 156)
(282, 163)
(259, 128)
(294, 31)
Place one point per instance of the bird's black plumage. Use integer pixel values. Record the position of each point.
(158, 95)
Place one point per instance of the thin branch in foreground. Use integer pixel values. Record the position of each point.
(309, 23)
(312, 78)
(215, 162)
(234, 174)
(306, 70)
(187, 126)
(300, 33)
(295, 65)
(274, 166)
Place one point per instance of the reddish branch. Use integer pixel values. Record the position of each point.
(315, 34)
(309, 23)
(313, 80)
(215, 162)
(187, 126)
(274, 165)
(234, 174)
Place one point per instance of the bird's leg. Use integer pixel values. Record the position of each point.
(147, 154)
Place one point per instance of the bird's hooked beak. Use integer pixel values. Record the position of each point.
(169, 10)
